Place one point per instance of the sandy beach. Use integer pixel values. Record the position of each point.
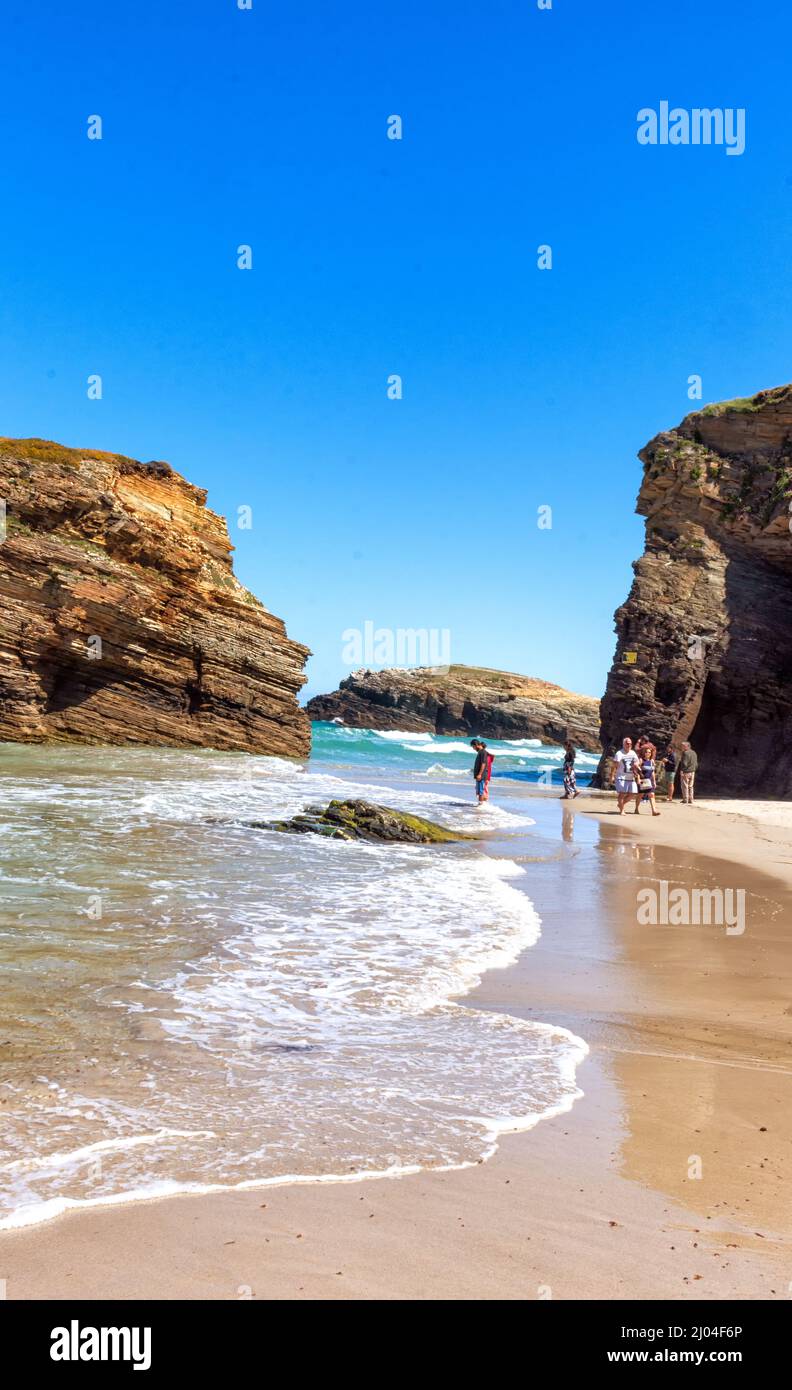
(397, 445)
(688, 1073)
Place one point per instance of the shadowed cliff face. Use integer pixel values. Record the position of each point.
(709, 615)
(461, 700)
(121, 620)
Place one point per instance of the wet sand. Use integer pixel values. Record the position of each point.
(667, 1179)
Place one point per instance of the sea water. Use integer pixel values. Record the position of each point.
(519, 759)
(192, 1003)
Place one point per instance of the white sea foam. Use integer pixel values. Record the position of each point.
(438, 769)
(437, 746)
(251, 1008)
(491, 1130)
(587, 760)
(102, 1146)
(399, 736)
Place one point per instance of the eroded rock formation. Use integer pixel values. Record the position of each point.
(704, 645)
(462, 700)
(121, 620)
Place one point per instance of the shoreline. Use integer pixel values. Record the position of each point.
(30, 1218)
(400, 1238)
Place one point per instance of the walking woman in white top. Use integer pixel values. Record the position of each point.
(625, 766)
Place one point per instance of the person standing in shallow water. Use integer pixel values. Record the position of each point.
(482, 769)
(570, 781)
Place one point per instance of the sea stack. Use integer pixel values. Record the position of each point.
(121, 619)
(704, 641)
(461, 700)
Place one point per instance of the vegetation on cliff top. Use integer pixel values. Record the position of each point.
(457, 674)
(747, 405)
(47, 451)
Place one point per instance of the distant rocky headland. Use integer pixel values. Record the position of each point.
(704, 649)
(121, 619)
(462, 700)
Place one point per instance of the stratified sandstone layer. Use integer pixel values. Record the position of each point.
(461, 700)
(704, 646)
(121, 620)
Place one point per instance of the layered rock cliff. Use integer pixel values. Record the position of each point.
(461, 700)
(121, 620)
(704, 648)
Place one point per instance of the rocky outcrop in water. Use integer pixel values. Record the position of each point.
(461, 700)
(704, 649)
(364, 820)
(121, 620)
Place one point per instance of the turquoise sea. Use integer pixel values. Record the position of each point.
(432, 756)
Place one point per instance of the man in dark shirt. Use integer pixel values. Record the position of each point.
(481, 769)
(688, 767)
(670, 766)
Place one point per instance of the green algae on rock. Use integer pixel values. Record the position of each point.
(363, 820)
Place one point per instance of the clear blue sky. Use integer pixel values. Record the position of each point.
(522, 387)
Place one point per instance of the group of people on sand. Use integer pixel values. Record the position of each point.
(635, 770)
(634, 773)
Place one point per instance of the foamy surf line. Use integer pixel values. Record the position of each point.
(572, 1053)
(493, 1129)
(387, 938)
(405, 750)
(455, 815)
